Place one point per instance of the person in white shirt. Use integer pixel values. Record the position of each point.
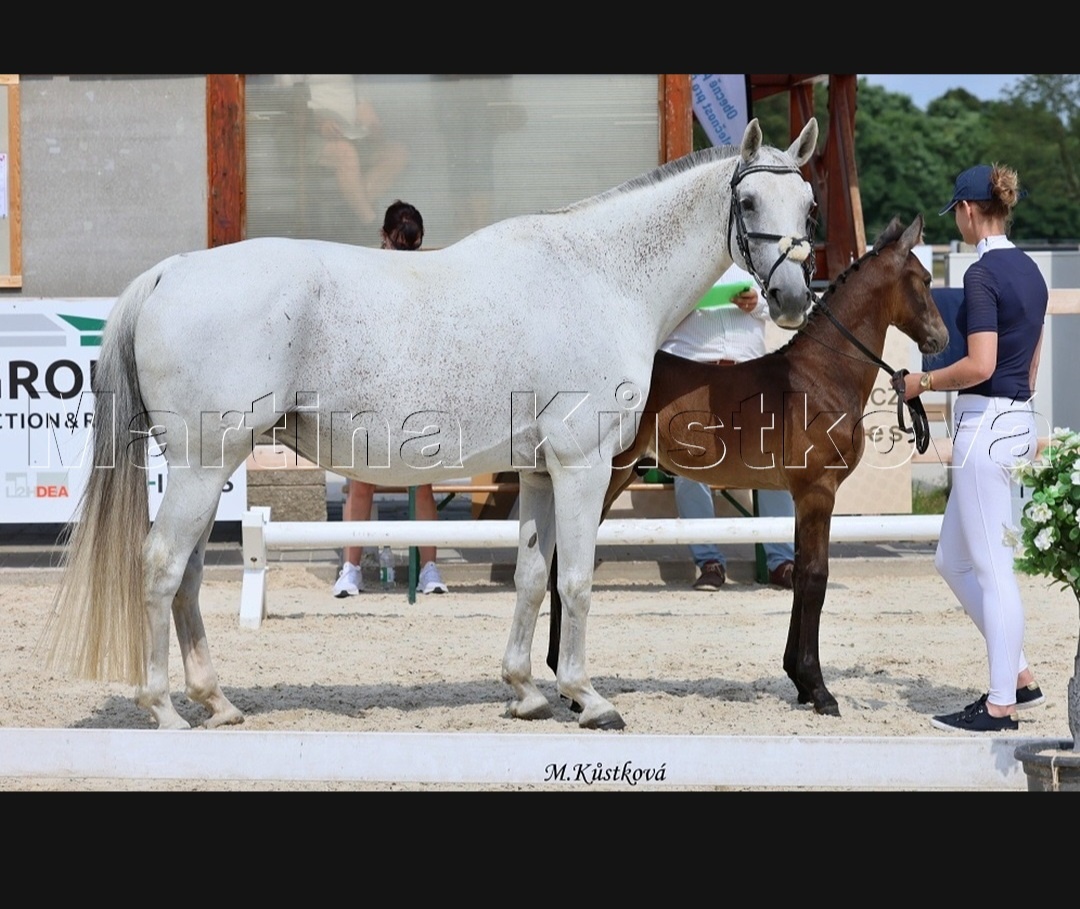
(725, 335)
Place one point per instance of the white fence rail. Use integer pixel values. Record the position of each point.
(260, 535)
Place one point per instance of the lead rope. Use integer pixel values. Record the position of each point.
(920, 423)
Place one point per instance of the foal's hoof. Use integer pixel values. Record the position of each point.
(608, 720)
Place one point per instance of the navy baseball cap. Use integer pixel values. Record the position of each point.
(973, 185)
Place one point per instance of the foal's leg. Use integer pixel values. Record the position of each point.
(535, 544)
(801, 655)
(200, 678)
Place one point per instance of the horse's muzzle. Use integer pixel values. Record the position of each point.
(791, 315)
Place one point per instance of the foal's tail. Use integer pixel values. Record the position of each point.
(98, 625)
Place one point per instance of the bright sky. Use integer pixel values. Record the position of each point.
(924, 88)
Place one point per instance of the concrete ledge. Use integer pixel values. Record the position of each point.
(559, 760)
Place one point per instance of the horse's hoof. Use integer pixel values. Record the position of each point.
(538, 711)
(607, 720)
(226, 718)
(828, 709)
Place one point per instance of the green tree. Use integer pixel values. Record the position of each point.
(898, 154)
(1036, 130)
(908, 160)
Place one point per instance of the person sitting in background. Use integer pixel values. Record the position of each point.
(354, 145)
(403, 228)
(725, 335)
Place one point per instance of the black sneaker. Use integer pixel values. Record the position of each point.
(975, 718)
(1029, 696)
(975, 705)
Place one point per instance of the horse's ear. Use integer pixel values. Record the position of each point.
(751, 140)
(805, 146)
(913, 235)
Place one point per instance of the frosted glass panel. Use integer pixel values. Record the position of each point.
(327, 154)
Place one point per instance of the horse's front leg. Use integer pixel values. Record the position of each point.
(801, 656)
(536, 540)
(201, 681)
(579, 498)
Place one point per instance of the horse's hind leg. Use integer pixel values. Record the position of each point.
(164, 567)
(199, 676)
(535, 544)
(189, 504)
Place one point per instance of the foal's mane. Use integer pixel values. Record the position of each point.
(890, 234)
(657, 175)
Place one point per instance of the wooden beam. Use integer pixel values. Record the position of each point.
(676, 117)
(9, 82)
(226, 159)
(845, 235)
(1064, 302)
(765, 85)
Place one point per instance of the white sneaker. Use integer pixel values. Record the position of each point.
(350, 582)
(430, 580)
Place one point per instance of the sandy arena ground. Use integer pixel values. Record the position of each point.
(895, 649)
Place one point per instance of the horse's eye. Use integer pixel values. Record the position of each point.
(746, 204)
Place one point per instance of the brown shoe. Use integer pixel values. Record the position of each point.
(712, 577)
(782, 574)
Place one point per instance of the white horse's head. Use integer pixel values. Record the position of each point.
(771, 220)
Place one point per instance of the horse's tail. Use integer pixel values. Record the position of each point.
(98, 627)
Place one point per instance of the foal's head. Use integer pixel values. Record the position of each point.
(907, 297)
(912, 306)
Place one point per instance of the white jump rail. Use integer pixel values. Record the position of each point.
(260, 535)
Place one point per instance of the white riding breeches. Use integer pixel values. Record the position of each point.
(990, 435)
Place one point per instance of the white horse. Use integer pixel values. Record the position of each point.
(525, 346)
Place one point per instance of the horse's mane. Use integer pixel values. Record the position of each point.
(890, 234)
(658, 175)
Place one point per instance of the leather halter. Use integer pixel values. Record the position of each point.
(803, 244)
(920, 423)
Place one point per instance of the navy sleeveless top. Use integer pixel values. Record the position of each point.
(1004, 292)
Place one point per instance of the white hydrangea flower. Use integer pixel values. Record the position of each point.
(1045, 539)
(1010, 536)
(1021, 470)
(1039, 512)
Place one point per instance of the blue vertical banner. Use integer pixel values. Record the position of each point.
(722, 106)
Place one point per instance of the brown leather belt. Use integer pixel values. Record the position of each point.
(723, 362)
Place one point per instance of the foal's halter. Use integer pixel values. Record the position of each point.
(799, 249)
(920, 423)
